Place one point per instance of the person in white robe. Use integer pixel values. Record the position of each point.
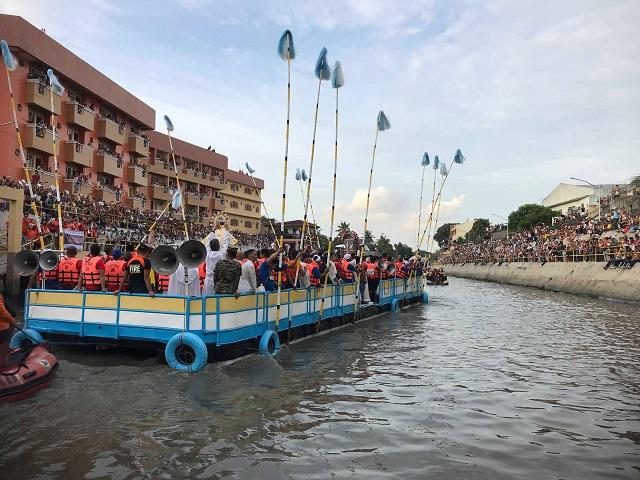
(177, 282)
(248, 282)
(214, 255)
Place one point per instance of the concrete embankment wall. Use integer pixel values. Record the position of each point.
(584, 278)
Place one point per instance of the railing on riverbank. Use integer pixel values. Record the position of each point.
(567, 257)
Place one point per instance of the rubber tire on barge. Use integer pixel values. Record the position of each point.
(25, 337)
(269, 343)
(193, 358)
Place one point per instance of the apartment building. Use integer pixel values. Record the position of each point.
(104, 139)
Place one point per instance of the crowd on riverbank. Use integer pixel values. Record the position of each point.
(574, 238)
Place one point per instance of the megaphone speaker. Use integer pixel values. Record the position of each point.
(192, 253)
(25, 263)
(48, 260)
(164, 260)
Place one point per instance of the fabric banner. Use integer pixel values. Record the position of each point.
(73, 237)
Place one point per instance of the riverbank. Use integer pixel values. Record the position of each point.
(583, 278)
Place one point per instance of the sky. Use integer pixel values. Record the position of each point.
(531, 92)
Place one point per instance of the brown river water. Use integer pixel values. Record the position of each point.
(486, 382)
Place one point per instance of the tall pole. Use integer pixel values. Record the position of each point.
(598, 188)
(53, 83)
(286, 51)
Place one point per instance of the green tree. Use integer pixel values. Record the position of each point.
(403, 250)
(442, 235)
(478, 230)
(368, 237)
(383, 245)
(324, 242)
(343, 227)
(528, 215)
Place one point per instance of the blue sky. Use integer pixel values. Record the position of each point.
(532, 92)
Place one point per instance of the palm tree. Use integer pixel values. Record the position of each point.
(343, 227)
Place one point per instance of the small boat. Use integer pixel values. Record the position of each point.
(26, 370)
(437, 277)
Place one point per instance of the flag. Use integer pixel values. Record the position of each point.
(176, 201)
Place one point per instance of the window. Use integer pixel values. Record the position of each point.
(234, 222)
(248, 190)
(257, 209)
(234, 187)
(247, 224)
(73, 135)
(248, 208)
(234, 204)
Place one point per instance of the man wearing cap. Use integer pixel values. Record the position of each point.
(314, 270)
(346, 268)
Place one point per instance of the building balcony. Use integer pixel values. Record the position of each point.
(39, 138)
(136, 175)
(111, 131)
(108, 164)
(138, 145)
(105, 194)
(72, 185)
(39, 94)
(160, 168)
(136, 202)
(47, 179)
(160, 193)
(79, 115)
(75, 152)
(195, 200)
(216, 204)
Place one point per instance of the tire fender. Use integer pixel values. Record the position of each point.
(28, 335)
(425, 297)
(395, 306)
(269, 343)
(191, 340)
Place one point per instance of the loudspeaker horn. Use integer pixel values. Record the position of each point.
(49, 260)
(164, 260)
(192, 253)
(25, 263)
(391, 269)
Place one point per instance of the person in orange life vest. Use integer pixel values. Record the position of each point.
(137, 273)
(69, 269)
(313, 269)
(51, 279)
(6, 330)
(114, 270)
(291, 266)
(400, 268)
(373, 278)
(346, 269)
(92, 274)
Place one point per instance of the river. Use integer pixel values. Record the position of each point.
(486, 382)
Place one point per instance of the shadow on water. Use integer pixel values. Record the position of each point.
(487, 381)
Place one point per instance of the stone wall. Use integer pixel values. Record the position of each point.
(584, 278)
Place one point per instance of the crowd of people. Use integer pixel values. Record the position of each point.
(614, 238)
(226, 270)
(110, 223)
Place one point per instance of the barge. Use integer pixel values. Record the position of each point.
(191, 331)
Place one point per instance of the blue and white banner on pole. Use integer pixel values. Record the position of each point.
(73, 237)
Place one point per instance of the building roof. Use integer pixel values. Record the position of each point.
(244, 179)
(160, 141)
(24, 38)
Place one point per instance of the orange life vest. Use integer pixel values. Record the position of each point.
(90, 272)
(113, 273)
(202, 273)
(343, 270)
(48, 274)
(68, 271)
(313, 280)
(372, 270)
(162, 285)
(400, 273)
(136, 258)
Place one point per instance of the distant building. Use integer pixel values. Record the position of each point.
(104, 139)
(459, 230)
(567, 196)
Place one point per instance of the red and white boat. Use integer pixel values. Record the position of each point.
(25, 371)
